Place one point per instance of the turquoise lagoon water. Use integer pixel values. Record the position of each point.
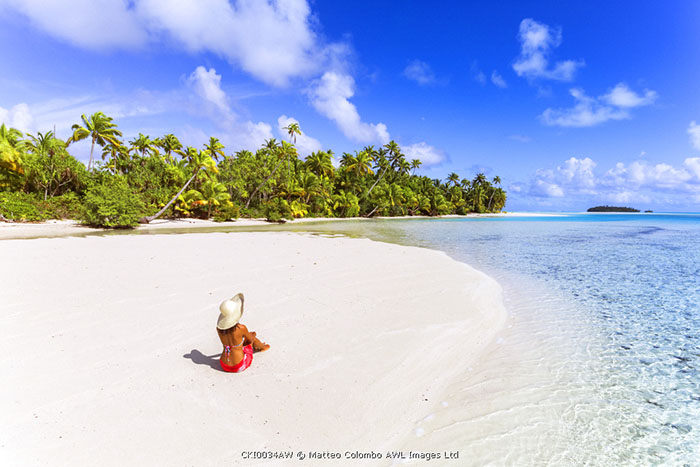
(599, 363)
(602, 343)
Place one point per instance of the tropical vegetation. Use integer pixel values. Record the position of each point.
(146, 178)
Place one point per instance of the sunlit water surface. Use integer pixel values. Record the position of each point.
(599, 362)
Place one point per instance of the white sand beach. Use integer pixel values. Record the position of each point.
(109, 353)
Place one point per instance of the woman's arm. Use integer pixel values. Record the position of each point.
(250, 338)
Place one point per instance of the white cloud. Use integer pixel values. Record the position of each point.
(330, 96)
(574, 175)
(589, 111)
(579, 183)
(536, 42)
(18, 116)
(694, 132)
(305, 144)
(420, 72)
(623, 96)
(640, 174)
(90, 24)
(428, 155)
(578, 172)
(273, 40)
(249, 135)
(637, 182)
(498, 80)
(544, 188)
(207, 85)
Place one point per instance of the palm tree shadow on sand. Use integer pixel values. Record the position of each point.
(199, 358)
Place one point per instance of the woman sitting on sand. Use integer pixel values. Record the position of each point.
(239, 343)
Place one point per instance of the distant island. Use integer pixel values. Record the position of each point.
(612, 209)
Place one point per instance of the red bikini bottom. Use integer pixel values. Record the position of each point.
(243, 364)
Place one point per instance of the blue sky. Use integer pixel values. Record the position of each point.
(572, 104)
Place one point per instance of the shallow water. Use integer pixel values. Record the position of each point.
(599, 362)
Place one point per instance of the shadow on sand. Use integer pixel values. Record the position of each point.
(199, 358)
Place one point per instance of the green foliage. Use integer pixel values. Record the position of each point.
(214, 195)
(11, 154)
(277, 210)
(29, 207)
(109, 202)
(21, 207)
(157, 176)
(65, 206)
(155, 180)
(227, 213)
(53, 175)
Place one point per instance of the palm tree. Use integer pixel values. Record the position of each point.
(361, 163)
(170, 144)
(347, 160)
(393, 149)
(395, 194)
(196, 160)
(271, 144)
(496, 181)
(99, 127)
(453, 178)
(213, 194)
(12, 135)
(11, 152)
(480, 179)
(293, 130)
(478, 196)
(415, 164)
(394, 152)
(43, 144)
(144, 144)
(119, 157)
(382, 163)
(348, 202)
(403, 165)
(308, 185)
(283, 152)
(214, 148)
(320, 163)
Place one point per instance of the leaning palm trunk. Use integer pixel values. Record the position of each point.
(92, 148)
(147, 219)
(372, 211)
(247, 203)
(377, 181)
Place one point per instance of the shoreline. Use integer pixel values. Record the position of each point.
(408, 326)
(68, 227)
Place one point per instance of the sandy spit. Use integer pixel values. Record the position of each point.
(109, 350)
(67, 227)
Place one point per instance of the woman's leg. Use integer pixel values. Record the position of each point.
(258, 345)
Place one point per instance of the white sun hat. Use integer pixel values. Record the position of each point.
(231, 312)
